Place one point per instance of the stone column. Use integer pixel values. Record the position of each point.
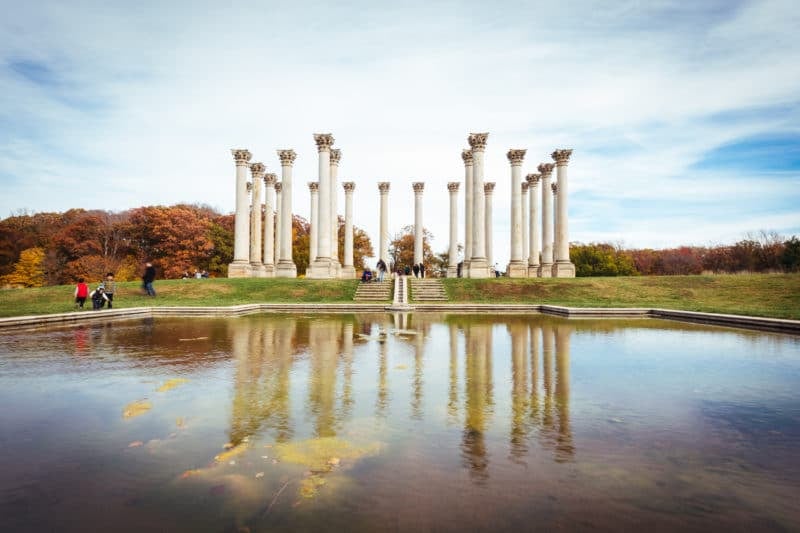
(488, 191)
(348, 269)
(240, 268)
(546, 267)
(525, 240)
(321, 268)
(478, 267)
(563, 267)
(554, 188)
(418, 186)
(313, 187)
(452, 253)
(469, 210)
(336, 156)
(286, 267)
(269, 225)
(383, 239)
(533, 221)
(278, 221)
(257, 170)
(517, 268)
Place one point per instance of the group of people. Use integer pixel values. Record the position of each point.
(197, 274)
(381, 268)
(103, 294)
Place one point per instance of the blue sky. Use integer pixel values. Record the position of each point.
(683, 117)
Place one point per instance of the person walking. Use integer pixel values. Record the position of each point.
(422, 270)
(110, 287)
(381, 266)
(416, 270)
(81, 293)
(148, 278)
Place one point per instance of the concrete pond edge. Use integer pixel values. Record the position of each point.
(779, 325)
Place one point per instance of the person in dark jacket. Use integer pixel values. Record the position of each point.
(147, 279)
(416, 270)
(98, 297)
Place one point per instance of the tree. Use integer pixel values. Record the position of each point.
(790, 260)
(29, 270)
(401, 249)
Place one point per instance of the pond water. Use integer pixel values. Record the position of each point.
(412, 422)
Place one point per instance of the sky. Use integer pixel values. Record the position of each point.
(684, 117)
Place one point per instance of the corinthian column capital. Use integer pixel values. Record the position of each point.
(545, 169)
(477, 141)
(383, 187)
(249, 187)
(453, 186)
(313, 186)
(515, 156)
(532, 179)
(287, 157)
(561, 157)
(278, 186)
(257, 170)
(418, 186)
(241, 156)
(336, 156)
(466, 155)
(270, 179)
(324, 141)
(488, 187)
(525, 187)
(349, 186)
(554, 187)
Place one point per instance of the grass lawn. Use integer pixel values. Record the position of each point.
(772, 295)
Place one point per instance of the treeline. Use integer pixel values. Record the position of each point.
(767, 252)
(58, 248)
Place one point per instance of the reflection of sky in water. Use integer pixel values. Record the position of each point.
(606, 423)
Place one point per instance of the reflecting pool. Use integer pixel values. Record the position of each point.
(405, 422)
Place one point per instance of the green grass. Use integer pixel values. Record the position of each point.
(184, 292)
(772, 295)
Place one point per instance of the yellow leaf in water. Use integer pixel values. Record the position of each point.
(180, 422)
(233, 452)
(190, 473)
(136, 408)
(171, 384)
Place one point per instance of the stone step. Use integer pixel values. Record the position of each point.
(374, 291)
(427, 290)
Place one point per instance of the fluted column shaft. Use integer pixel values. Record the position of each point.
(562, 235)
(324, 236)
(554, 188)
(516, 267)
(466, 155)
(269, 222)
(336, 156)
(525, 240)
(383, 239)
(478, 267)
(241, 241)
(278, 220)
(533, 221)
(348, 269)
(547, 220)
(488, 194)
(452, 253)
(286, 267)
(257, 171)
(419, 187)
(313, 238)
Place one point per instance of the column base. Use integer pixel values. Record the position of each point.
(239, 269)
(258, 270)
(546, 270)
(533, 271)
(348, 272)
(321, 268)
(563, 269)
(517, 269)
(269, 271)
(286, 269)
(478, 268)
(336, 268)
(452, 272)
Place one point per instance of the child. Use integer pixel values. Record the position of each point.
(81, 292)
(98, 297)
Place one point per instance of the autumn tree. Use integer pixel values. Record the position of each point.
(401, 249)
(29, 270)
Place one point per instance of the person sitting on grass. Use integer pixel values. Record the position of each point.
(98, 297)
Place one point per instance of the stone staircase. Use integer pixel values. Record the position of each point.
(427, 290)
(374, 291)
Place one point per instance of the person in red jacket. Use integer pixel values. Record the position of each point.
(81, 293)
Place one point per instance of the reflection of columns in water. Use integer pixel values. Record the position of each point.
(347, 363)
(419, 366)
(547, 376)
(452, 393)
(322, 337)
(564, 448)
(477, 402)
(534, 402)
(383, 386)
(261, 383)
(519, 389)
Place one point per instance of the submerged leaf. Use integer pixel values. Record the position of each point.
(171, 384)
(135, 444)
(233, 452)
(136, 408)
